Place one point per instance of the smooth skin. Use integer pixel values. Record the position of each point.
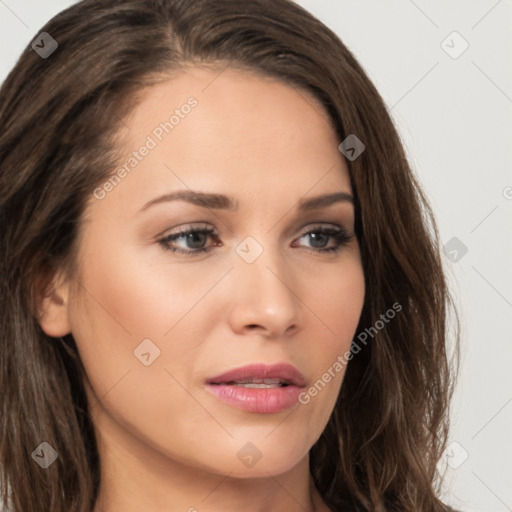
(165, 442)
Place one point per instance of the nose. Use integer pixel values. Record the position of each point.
(264, 297)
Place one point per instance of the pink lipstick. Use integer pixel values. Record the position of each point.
(259, 388)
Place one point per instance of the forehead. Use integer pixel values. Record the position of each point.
(229, 131)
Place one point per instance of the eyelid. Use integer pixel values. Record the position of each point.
(321, 225)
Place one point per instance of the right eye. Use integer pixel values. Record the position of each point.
(196, 237)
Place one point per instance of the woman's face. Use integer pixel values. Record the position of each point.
(155, 322)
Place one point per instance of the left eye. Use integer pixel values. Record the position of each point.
(197, 238)
(318, 236)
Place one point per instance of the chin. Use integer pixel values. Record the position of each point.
(254, 460)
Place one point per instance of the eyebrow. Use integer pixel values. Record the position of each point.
(222, 202)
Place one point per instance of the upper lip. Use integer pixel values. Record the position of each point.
(285, 372)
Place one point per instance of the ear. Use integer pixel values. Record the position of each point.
(52, 298)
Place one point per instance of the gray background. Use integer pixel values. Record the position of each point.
(454, 113)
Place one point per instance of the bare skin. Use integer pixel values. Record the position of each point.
(165, 442)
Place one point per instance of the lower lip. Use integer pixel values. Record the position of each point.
(260, 400)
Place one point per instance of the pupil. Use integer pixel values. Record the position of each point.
(195, 235)
(317, 237)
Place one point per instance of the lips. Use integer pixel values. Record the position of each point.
(258, 388)
(261, 375)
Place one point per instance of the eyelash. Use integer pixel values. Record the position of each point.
(339, 234)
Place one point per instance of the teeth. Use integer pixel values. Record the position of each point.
(270, 382)
(257, 385)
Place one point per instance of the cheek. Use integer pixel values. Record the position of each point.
(133, 297)
(120, 305)
(113, 310)
(125, 309)
(337, 301)
(338, 306)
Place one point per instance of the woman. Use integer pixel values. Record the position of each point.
(222, 284)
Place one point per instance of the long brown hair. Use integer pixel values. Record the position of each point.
(58, 120)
